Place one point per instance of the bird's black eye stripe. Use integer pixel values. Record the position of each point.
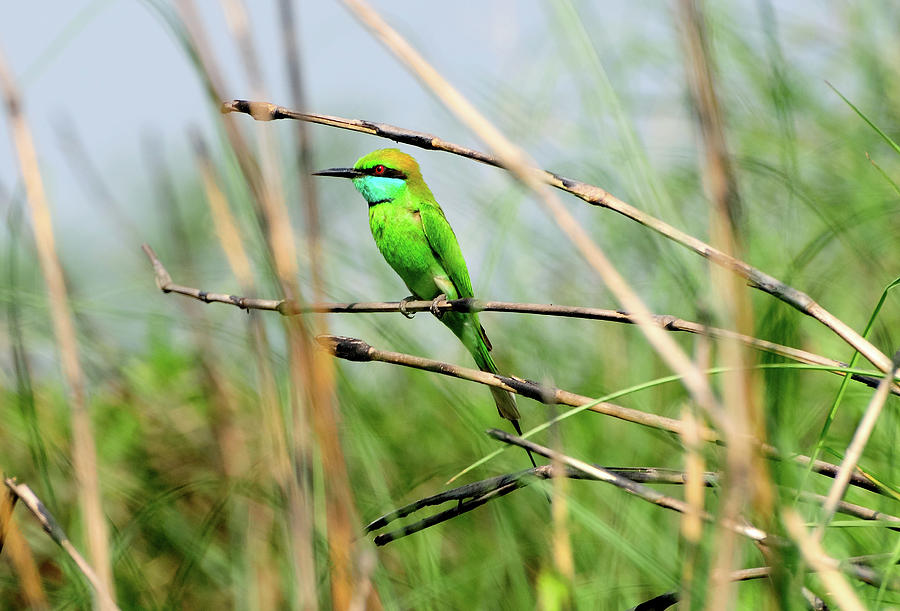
(387, 173)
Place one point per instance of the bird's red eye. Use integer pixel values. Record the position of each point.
(378, 170)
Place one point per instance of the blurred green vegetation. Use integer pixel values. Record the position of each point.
(186, 533)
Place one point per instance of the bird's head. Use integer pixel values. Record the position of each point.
(383, 175)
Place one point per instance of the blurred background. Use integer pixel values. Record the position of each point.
(177, 390)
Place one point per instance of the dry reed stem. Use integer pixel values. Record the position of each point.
(84, 453)
(309, 196)
(560, 535)
(591, 194)
(296, 490)
(357, 350)
(695, 484)
(694, 496)
(855, 449)
(238, 21)
(311, 375)
(823, 564)
(358, 586)
(745, 474)
(226, 228)
(275, 454)
(232, 243)
(664, 321)
(20, 555)
(270, 215)
(103, 597)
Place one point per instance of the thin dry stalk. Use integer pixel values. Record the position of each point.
(311, 375)
(226, 228)
(360, 588)
(826, 566)
(357, 350)
(694, 496)
(275, 212)
(239, 23)
(51, 527)
(304, 150)
(270, 214)
(591, 194)
(718, 171)
(664, 321)
(855, 449)
(229, 435)
(7, 504)
(745, 474)
(20, 555)
(353, 349)
(273, 444)
(561, 541)
(84, 453)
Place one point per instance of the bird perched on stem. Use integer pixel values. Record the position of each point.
(414, 237)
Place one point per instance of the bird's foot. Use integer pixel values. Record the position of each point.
(403, 303)
(434, 305)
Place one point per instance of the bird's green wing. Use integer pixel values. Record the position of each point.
(443, 242)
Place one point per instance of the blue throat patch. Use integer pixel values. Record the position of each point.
(379, 189)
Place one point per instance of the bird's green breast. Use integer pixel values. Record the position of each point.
(399, 235)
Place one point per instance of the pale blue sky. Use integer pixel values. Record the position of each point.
(111, 70)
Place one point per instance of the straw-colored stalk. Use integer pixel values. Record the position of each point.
(84, 453)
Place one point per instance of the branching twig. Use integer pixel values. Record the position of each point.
(357, 350)
(265, 111)
(353, 349)
(52, 528)
(286, 307)
(508, 483)
(828, 567)
(500, 485)
(640, 490)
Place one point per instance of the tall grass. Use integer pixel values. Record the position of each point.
(222, 489)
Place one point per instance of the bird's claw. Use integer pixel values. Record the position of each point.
(434, 305)
(403, 303)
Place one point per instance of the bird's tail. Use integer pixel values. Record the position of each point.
(471, 333)
(475, 339)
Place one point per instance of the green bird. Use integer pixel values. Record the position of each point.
(414, 237)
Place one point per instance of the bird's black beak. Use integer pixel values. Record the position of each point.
(340, 173)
